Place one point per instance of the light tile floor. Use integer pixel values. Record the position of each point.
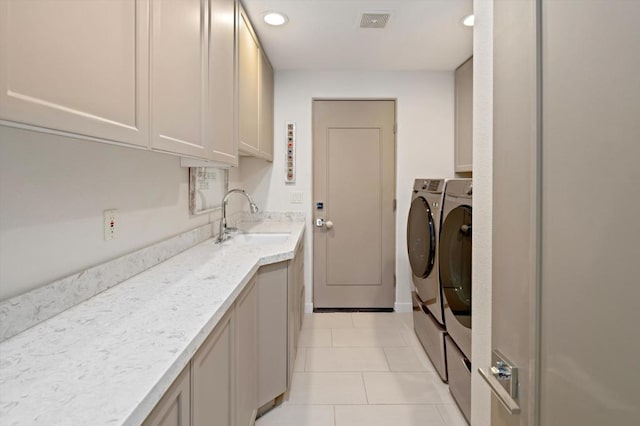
(363, 369)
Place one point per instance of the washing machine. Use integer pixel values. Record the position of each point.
(454, 264)
(423, 227)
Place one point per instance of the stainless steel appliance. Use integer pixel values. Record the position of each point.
(423, 227)
(455, 280)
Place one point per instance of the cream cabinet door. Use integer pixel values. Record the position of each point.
(246, 350)
(179, 74)
(272, 331)
(295, 296)
(464, 117)
(174, 409)
(76, 66)
(212, 378)
(222, 76)
(266, 108)
(248, 87)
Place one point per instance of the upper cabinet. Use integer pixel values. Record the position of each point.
(179, 71)
(76, 66)
(248, 87)
(193, 99)
(161, 74)
(266, 108)
(464, 117)
(255, 99)
(222, 76)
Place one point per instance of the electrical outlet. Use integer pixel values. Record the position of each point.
(296, 197)
(110, 224)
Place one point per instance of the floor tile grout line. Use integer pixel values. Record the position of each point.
(440, 405)
(364, 386)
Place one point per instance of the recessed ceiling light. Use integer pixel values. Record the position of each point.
(468, 21)
(275, 18)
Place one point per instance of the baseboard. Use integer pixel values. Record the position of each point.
(308, 308)
(403, 307)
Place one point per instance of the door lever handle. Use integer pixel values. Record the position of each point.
(320, 222)
(501, 371)
(502, 378)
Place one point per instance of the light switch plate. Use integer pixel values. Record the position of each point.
(297, 197)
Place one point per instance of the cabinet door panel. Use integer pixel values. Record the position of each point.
(76, 66)
(272, 331)
(179, 76)
(266, 108)
(222, 77)
(212, 378)
(246, 350)
(464, 117)
(174, 407)
(248, 86)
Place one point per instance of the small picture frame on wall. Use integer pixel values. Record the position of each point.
(207, 186)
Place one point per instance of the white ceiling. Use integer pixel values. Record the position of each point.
(326, 34)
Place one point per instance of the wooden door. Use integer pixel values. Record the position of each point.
(514, 208)
(179, 77)
(565, 233)
(246, 359)
(589, 230)
(248, 87)
(76, 66)
(212, 378)
(174, 409)
(354, 179)
(222, 82)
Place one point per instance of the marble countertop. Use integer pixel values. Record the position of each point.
(110, 359)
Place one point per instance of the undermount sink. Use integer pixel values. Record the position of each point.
(261, 238)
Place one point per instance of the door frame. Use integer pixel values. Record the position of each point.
(395, 187)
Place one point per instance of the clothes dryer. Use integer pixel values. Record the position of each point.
(455, 261)
(455, 280)
(423, 226)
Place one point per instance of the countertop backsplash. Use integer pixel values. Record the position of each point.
(22, 312)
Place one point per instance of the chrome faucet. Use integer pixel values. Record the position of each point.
(222, 235)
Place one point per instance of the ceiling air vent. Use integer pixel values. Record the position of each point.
(374, 20)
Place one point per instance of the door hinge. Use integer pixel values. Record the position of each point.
(395, 204)
(394, 280)
(395, 128)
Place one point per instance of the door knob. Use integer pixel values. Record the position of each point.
(328, 224)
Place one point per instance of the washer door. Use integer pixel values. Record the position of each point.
(421, 238)
(455, 262)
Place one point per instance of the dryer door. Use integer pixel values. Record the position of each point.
(421, 238)
(455, 262)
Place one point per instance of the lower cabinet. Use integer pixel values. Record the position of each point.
(212, 378)
(246, 355)
(272, 332)
(295, 307)
(247, 361)
(174, 409)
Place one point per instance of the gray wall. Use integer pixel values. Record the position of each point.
(53, 191)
